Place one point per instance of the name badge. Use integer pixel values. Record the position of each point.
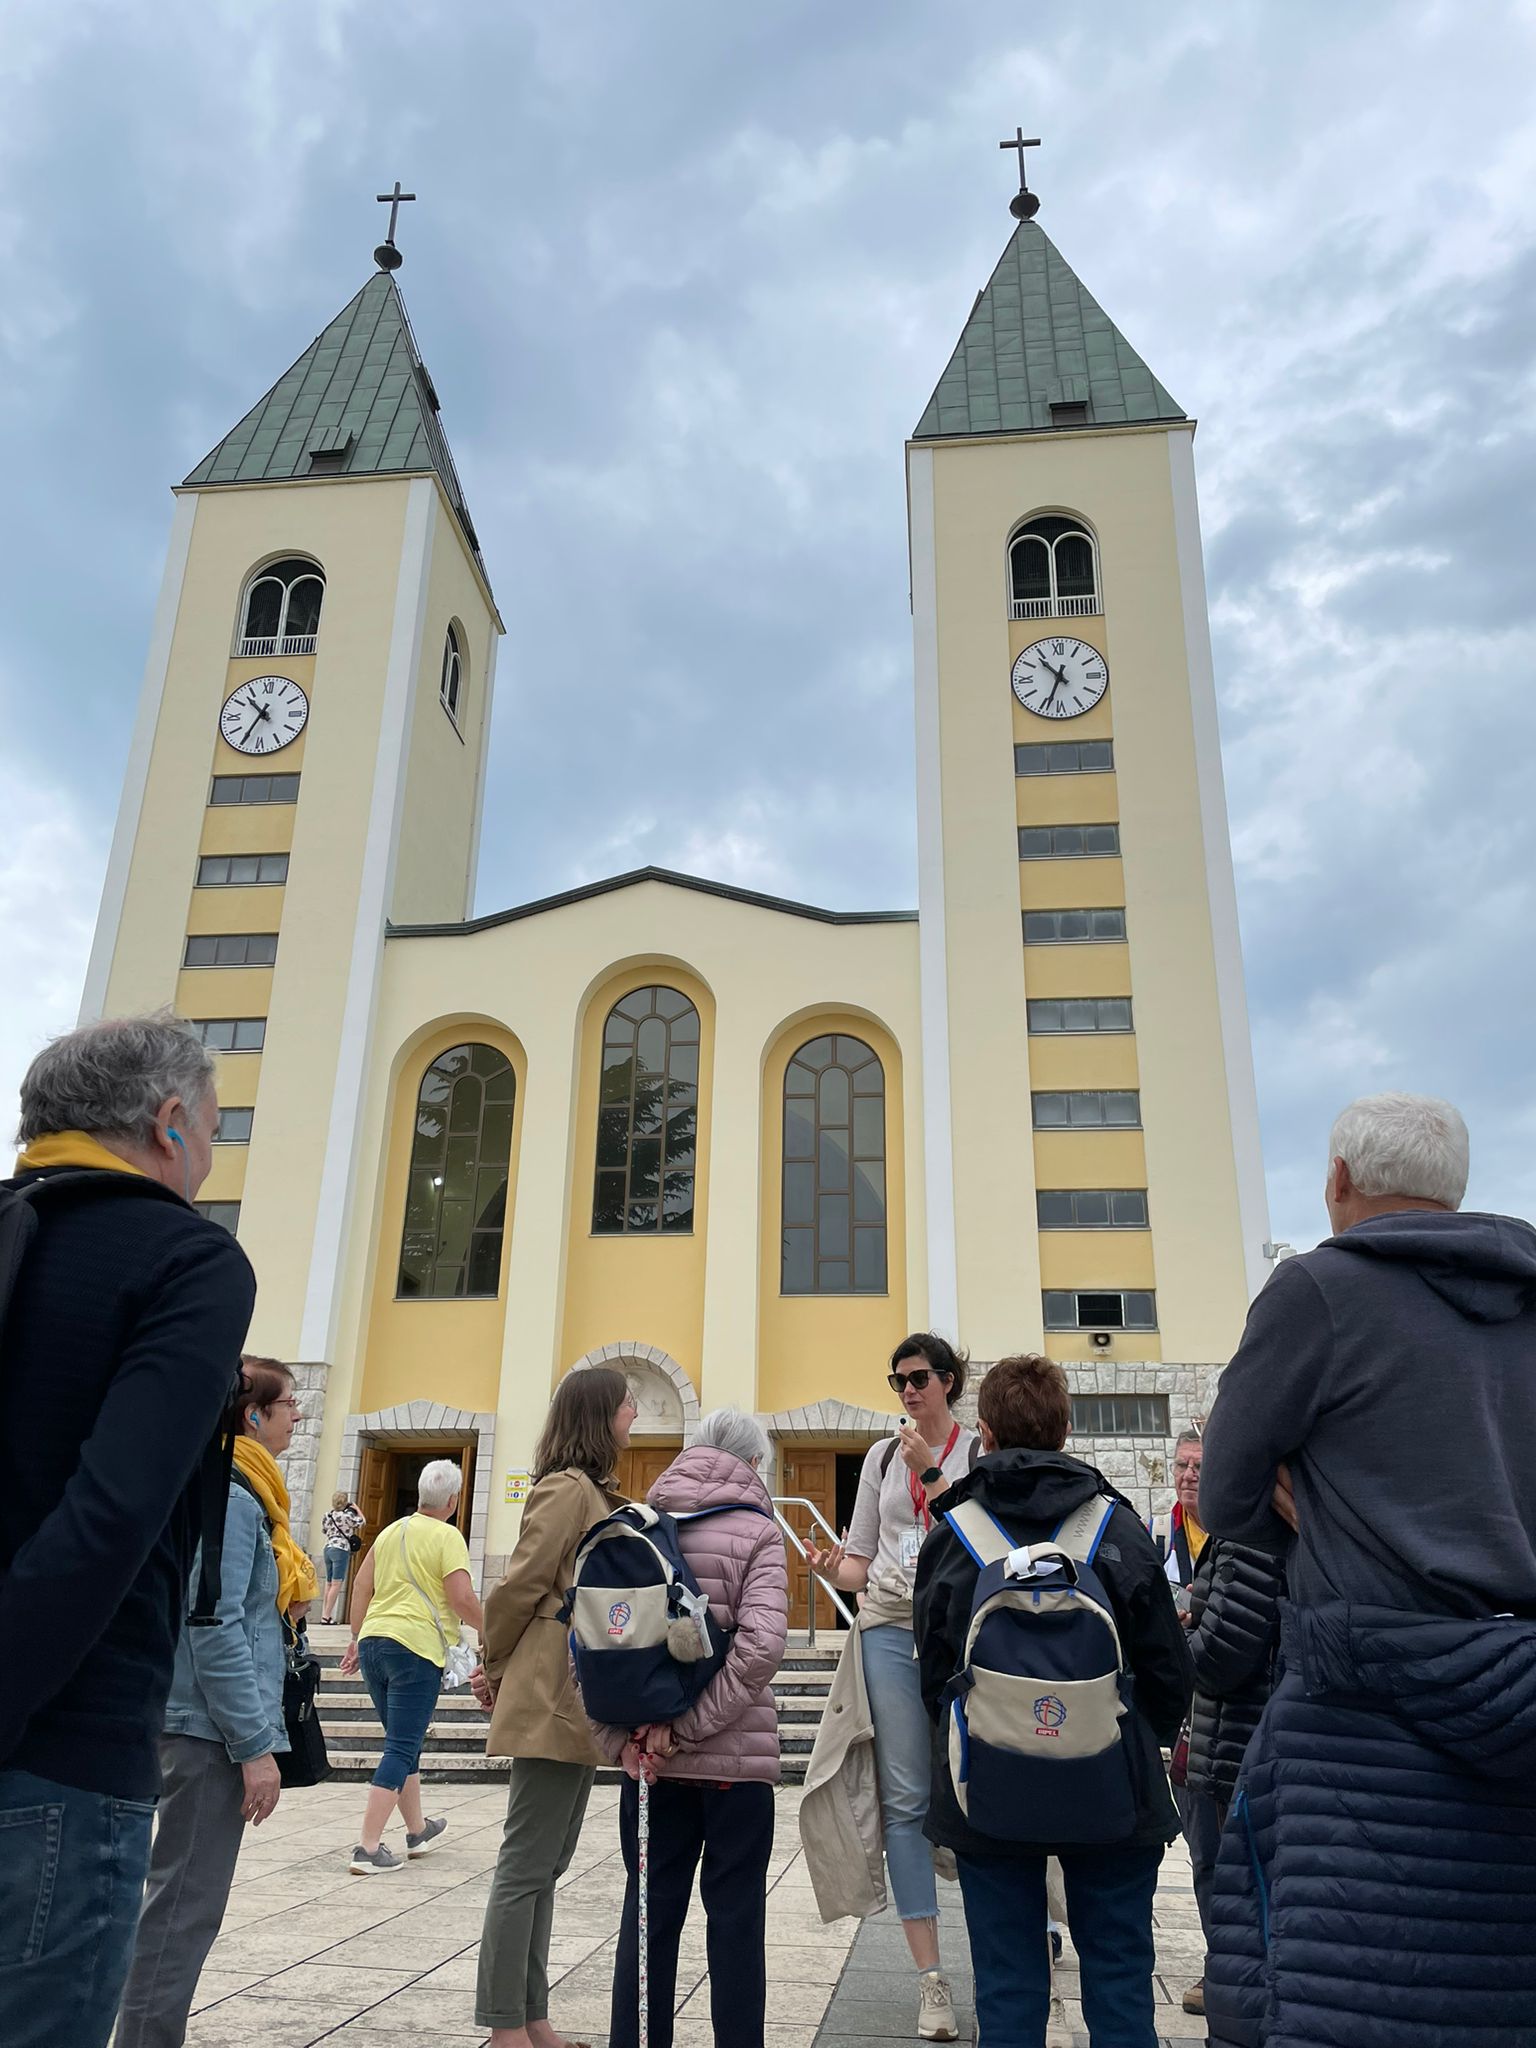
(911, 1544)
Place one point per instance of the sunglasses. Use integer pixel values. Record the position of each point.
(918, 1377)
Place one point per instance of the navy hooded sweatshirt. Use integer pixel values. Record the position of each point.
(1394, 1370)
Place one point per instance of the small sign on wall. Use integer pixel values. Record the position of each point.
(519, 1485)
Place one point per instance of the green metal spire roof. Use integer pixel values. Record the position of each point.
(1035, 338)
(358, 402)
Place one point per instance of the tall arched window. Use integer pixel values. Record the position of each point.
(456, 1204)
(834, 1169)
(451, 689)
(648, 1114)
(1053, 570)
(280, 613)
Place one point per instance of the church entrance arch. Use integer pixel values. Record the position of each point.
(668, 1407)
(383, 1452)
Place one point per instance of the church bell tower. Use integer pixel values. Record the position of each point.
(307, 766)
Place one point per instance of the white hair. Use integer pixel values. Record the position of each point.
(113, 1077)
(1414, 1145)
(440, 1482)
(727, 1429)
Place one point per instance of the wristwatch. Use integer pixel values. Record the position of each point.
(932, 1476)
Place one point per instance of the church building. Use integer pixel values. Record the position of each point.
(735, 1145)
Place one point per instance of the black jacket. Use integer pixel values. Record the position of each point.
(1394, 1370)
(1031, 1491)
(120, 1348)
(1234, 1639)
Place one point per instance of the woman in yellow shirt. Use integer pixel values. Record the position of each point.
(412, 1591)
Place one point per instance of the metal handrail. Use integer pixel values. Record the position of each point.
(792, 1535)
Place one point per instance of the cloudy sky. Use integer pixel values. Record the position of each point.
(685, 275)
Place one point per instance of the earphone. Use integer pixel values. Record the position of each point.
(175, 1136)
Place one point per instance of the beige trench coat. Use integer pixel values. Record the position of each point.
(538, 1712)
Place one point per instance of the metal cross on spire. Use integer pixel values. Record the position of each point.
(387, 256)
(1024, 205)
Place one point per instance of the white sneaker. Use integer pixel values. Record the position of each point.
(936, 2007)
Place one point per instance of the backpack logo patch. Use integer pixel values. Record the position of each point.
(1050, 1713)
(619, 1615)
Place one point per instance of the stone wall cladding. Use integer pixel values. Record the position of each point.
(1140, 1467)
(299, 1461)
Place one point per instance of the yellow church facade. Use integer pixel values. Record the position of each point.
(738, 1146)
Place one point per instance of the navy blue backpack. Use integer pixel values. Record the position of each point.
(1036, 1712)
(642, 1639)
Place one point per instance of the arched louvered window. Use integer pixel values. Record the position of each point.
(461, 1157)
(648, 1115)
(452, 687)
(280, 612)
(1053, 570)
(834, 1169)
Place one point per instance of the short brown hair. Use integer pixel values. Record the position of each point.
(1026, 1403)
(262, 1381)
(579, 1427)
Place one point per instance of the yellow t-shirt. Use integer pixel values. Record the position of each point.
(397, 1610)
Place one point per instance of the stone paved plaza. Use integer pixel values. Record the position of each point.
(310, 1953)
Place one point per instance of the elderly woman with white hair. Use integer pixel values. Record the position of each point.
(714, 1769)
(412, 1591)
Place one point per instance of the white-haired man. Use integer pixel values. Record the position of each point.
(125, 1313)
(1377, 1879)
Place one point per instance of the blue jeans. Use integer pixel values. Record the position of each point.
(72, 1870)
(404, 1690)
(1109, 1909)
(903, 1766)
(338, 1562)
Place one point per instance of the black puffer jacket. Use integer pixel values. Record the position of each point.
(1234, 1637)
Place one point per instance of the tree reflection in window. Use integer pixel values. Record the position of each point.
(456, 1203)
(647, 1115)
(834, 1169)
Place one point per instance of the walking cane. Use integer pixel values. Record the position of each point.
(643, 1882)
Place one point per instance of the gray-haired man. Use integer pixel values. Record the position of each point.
(120, 1344)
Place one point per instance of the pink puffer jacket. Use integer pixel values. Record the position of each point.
(732, 1730)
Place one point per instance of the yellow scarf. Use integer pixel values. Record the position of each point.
(73, 1148)
(295, 1573)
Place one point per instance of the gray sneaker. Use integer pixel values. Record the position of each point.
(936, 2008)
(424, 1843)
(372, 1862)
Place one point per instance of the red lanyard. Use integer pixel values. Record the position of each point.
(915, 1485)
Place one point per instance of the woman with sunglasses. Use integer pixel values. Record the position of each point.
(876, 1690)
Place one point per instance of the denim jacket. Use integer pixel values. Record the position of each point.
(228, 1683)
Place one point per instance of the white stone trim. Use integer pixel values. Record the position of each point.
(829, 1418)
(114, 888)
(1221, 888)
(434, 1422)
(478, 821)
(943, 1311)
(339, 1174)
(629, 1351)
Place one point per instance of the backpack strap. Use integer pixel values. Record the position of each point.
(983, 1537)
(1082, 1531)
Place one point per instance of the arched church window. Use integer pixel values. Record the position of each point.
(451, 689)
(461, 1157)
(647, 1115)
(1053, 570)
(280, 612)
(834, 1169)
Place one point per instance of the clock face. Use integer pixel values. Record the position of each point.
(264, 715)
(1060, 678)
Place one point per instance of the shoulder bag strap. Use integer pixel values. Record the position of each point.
(405, 1565)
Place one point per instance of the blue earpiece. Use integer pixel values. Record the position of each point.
(174, 1135)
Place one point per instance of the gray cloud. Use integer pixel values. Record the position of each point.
(685, 279)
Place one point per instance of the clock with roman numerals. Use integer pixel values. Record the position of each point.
(1060, 678)
(266, 714)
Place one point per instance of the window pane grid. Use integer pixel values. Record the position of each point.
(231, 949)
(1087, 1109)
(1068, 842)
(1063, 757)
(230, 1034)
(1120, 1415)
(1073, 927)
(1100, 1309)
(1091, 1208)
(456, 1195)
(254, 789)
(241, 870)
(1078, 1014)
(227, 1214)
(647, 1120)
(234, 1127)
(834, 1225)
